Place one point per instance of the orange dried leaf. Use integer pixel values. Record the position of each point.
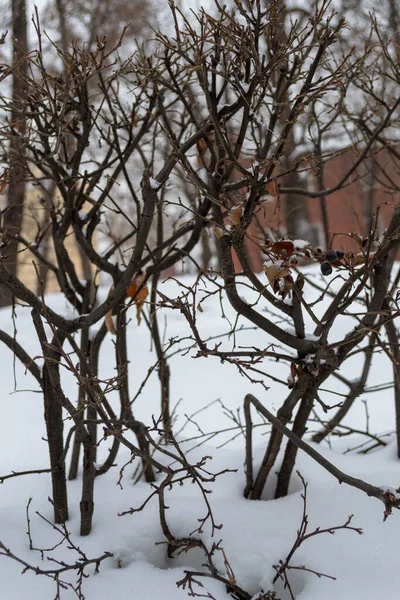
(139, 308)
(3, 181)
(272, 188)
(141, 295)
(110, 323)
(235, 214)
(139, 292)
(202, 146)
(135, 285)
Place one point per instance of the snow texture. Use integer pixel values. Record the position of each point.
(255, 534)
(154, 184)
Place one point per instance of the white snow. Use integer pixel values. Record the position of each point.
(255, 534)
(301, 244)
(154, 184)
(312, 337)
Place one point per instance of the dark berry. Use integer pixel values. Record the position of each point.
(326, 268)
(340, 254)
(331, 255)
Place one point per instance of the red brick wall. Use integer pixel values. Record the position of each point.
(347, 208)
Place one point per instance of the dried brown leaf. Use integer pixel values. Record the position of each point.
(218, 232)
(272, 188)
(282, 247)
(274, 273)
(235, 214)
(202, 146)
(110, 323)
(139, 292)
(3, 180)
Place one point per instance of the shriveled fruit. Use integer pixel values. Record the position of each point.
(331, 256)
(326, 268)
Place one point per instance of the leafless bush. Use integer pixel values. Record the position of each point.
(149, 154)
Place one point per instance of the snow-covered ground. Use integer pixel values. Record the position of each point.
(255, 534)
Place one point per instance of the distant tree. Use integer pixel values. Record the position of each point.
(12, 213)
(87, 21)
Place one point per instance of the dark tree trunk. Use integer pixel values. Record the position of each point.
(206, 253)
(84, 344)
(88, 477)
(299, 428)
(46, 243)
(53, 403)
(163, 368)
(126, 409)
(55, 439)
(12, 219)
(284, 414)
